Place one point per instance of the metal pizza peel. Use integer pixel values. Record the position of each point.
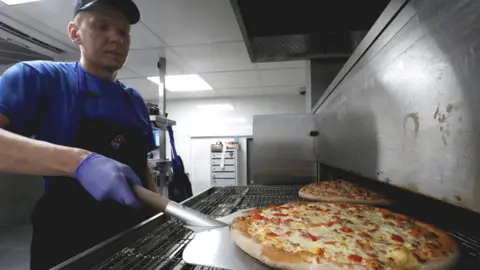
(212, 245)
(215, 248)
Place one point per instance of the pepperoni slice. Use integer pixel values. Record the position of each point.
(280, 215)
(399, 219)
(330, 243)
(272, 234)
(346, 229)
(355, 258)
(343, 205)
(397, 238)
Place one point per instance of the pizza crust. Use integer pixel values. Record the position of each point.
(305, 195)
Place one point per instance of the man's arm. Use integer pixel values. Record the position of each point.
(27, 156)
(22, 88)
(151, 185)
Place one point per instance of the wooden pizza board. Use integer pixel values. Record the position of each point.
(215, 248)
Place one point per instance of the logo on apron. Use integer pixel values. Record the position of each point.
(117, 142)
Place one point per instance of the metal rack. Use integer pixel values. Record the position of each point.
(158, 244)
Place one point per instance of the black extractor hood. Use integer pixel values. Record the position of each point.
(280, 30)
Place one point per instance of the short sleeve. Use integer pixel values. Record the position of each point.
(20, 97)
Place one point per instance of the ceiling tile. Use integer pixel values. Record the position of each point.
(284, 77)
(240, 92)
(147, 89)
(216, 57)
(48, 17)
(142, 37)
(144, 62)
(175, 64)
(280, 65)
(234, 79)
(186, 22)
(281, 90)
(125, 73)
(187, 95)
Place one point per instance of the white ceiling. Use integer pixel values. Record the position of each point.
(195, 36)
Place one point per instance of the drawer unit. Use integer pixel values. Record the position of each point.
(227, 162)
(228, 175)
(217, 175)
(228, 155)
(227, 168)
(224, 182)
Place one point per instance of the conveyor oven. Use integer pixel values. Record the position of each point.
(401, 117)
(159, 242)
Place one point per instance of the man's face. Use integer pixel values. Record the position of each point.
(104, 37)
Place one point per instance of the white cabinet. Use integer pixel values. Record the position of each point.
(224, 167)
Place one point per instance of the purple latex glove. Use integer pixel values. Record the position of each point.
(107, 179)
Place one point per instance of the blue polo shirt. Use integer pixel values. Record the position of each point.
(39, 98)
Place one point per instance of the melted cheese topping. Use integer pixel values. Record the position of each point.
(345, 233)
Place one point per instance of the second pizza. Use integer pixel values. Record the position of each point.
(341, 191)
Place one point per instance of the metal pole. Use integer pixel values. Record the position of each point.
(163, 165)
(162, 64)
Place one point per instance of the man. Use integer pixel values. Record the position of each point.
(92, 135)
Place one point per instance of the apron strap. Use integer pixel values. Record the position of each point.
(175, 161)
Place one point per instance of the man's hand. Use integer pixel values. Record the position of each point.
(107, 179)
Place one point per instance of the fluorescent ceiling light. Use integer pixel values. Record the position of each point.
(216, 107)
(16, 2)
(183, 83)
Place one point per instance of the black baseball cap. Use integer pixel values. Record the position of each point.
(127, 7)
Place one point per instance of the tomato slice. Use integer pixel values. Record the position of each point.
(355, 258)
(346, 229)
(314, 238)
(415, 232)
(286, 221)
(397, 238)
(257, 216)
(272, 234)
(365, 235)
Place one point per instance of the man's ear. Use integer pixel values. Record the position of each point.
(73, 33)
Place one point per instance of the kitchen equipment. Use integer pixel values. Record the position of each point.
(212, 246)
(158, 243)
(215, 248)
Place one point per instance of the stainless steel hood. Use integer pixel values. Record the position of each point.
(303, 29)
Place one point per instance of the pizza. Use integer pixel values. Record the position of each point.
(321, 235)
(341, 191)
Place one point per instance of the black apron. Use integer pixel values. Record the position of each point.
(67, 220)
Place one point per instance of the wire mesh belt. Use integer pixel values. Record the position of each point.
(162, 248)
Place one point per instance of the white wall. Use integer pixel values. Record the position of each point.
(195, 122)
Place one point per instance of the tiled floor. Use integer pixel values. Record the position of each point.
(15, 247)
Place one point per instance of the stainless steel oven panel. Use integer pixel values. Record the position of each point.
(408, 112)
